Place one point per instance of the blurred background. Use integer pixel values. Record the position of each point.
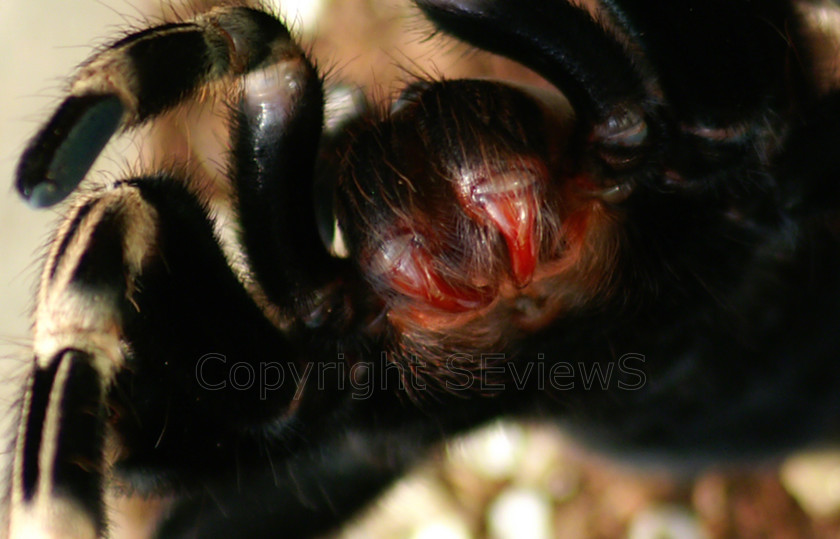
(508, 479)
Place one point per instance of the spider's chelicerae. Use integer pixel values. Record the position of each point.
(647, 253)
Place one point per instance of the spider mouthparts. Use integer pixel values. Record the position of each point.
(514, 214)
(508, 201)
(411, 270)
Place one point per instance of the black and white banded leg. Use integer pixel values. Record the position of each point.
(137, 290)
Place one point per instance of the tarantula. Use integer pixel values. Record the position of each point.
(648, 254)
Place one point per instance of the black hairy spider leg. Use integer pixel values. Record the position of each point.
(489, 232)
(159, 256)
(810, 163)
(726, 70)
(221, 368)
(54, 478)
(560, 41)
(311, 492)
(353, 451)
(124, 303)
(617, 105)
(78, 312)
(275, 134)
(135, 79)
(276, 127)
(719, 62)
(296, 502)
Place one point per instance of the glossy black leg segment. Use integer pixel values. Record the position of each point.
(135, 79)
(560, 41)
(276, 131)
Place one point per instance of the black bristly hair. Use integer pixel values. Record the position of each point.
(675, 224)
